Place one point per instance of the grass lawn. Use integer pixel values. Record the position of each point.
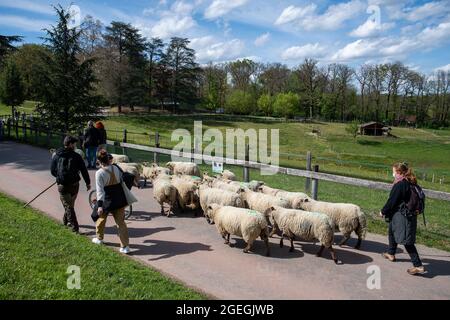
(35, 252)
(27, 106)
(427, 151)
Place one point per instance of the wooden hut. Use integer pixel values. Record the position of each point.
(372, 128)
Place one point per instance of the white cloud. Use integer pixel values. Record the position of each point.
(210, 49)
(28, 6)
(427, 10)
(22, 23)
(307, 18)
(262, 39)
(427, 39)
(219, 8)
(172, 26)
(371, 28)
(293, 13)
(307, 51)
(445, 68)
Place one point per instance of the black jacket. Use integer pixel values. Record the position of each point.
(91, 137)
(400, 192)
(403, 229)
(102, 134)
(77, 165)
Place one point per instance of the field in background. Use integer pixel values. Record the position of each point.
(27, 107)
(435, 234)
(35, 253)
(427, 151)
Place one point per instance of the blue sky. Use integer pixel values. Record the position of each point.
(349, 31)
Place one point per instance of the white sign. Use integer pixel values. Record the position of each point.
(217, 167)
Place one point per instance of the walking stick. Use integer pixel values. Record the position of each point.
(39, 194)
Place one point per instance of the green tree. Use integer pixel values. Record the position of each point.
(352, 128)
(239, 102)
(6, 46)
(67, 99)
(155, 49)
(265, 104)
(179, 62)
(286, 104)
(11, 86)
(30, 60)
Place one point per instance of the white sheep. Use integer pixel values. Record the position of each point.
(294, 198)
(346, 217)
(165, 192)
(116, 158)
(188, 168)
(150, 172)
(208, 196)
(261, 202)
(227, 175)
(245, 223)
(232, 186)
(305, 225)
(186, 193)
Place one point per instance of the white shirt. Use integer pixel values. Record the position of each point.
(103, 178)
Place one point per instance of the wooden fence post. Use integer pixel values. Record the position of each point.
(155, 154)
(124, 140)
(8, 123)
(315, 184)
(24, 127)
(308, 168)
(36, 133)
(16, 123)
(48, 136)
(246, 168)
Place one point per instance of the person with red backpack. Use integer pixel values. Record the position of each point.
(405, 202)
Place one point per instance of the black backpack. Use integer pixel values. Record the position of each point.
(416, 203)
(66, 174)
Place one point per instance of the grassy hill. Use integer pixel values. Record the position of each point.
(427, 151)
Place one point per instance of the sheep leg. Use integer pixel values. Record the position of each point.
(358, 244)
(333, 255)
(226, 236)
(248, 247)
(145, 182)
(292, 244)
(344, 241)
(281, 241)
(319, 254)
(265, 238)
(274, 230)
(162, 209)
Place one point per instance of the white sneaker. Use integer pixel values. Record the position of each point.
(97, 241)
(125, 250)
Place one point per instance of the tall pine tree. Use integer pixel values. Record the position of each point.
(12, 92)
(68, 99)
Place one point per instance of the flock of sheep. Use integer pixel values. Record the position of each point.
(248, 210)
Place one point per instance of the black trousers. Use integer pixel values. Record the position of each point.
(68, 194)
(411, 249)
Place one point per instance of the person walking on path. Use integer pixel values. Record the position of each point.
(66, 167)
(91, 143)
(102, 132)
(402, 227)
(110, 199)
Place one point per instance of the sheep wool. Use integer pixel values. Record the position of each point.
(186, 193)
(187, 168)
(305, 225)
(248, 224)
(228, 175)
(208, 196)
(165, 192)
(346, 217)
(119, 158)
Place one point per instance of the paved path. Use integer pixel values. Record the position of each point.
(192, 251)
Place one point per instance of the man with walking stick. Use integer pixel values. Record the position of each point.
(66, 167)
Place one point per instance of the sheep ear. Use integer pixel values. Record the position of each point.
(154, 165)
(272, 208)
(260, 188)
(209, 208)
(306, 200)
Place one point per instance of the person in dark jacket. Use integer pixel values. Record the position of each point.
(402, 229)
(91, 143)
(102, 132)
(66, 167)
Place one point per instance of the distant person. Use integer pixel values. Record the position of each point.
(101, 130)
(66, 167)
(91, 143)
(402, 222)
(110, 194)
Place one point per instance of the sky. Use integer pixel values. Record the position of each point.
(416, 33)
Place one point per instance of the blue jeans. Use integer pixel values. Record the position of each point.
(91, 155)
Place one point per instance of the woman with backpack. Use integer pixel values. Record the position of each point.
(110, 199)
(401, 211)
